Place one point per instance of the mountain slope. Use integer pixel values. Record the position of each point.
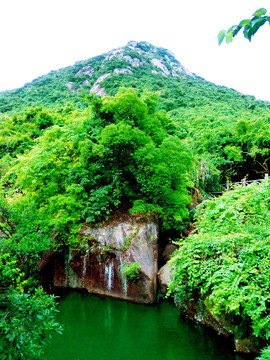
(139, 65)
(134, 61)
(227, 132)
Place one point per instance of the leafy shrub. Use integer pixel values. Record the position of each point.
(227, 261)
(265, 354)
(26, 313)
(131, 270)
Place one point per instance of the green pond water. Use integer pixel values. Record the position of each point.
(102, 328)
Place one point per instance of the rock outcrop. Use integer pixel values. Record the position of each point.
(167, 252)
(107, 257)
(164, 277)
(96, 88)
(135, 59)
(69, 85)
(159, 64)
(197, 311)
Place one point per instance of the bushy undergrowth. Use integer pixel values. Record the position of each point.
(226, 262)
(265, 354)
(26, 312)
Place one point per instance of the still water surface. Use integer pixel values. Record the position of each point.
(101, 328)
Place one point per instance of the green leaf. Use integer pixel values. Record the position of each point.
(260, 12)
(256, 24)
(229, 37)
(244, 22)
(221, 36)
(246, 32)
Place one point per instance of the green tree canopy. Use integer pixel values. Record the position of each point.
(117, 151)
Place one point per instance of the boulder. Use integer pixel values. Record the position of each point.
(96, 88)
(86, 70)
(159, 64)
(167, 252)
(69, 85)
(117, 260)
(123, 71)
(163, 278)
(246, 345)
(197, 311)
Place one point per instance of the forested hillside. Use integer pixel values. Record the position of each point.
(234, 142)
(131, 128)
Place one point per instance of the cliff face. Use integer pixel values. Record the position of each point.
(118, 260)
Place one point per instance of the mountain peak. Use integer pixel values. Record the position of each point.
(138, 64)
(132, 59)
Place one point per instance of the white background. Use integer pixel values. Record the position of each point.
(38, 36)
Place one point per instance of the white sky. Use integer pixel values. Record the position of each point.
(38, 36)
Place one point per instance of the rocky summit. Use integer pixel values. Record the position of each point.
(131, 60)
(137, 65)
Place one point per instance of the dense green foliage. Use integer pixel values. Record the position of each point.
(199, 110)
(76, 167)
(68, 157)
(118, 151)
(26, 312)
(265, 354)
(226, 262)
(230, 143)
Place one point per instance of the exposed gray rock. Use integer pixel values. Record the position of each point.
(98, 265)
(96, 88)
(184, 70)
(197, 311)
(167, 252)
(123, 71)
(69, 85)
(174, 74)
(164, 62)
(161, 66)
(86, 70)
(101, 78)
(164, 277)
(140, 51)
(118, 53)
(134, 61)
(133, 43)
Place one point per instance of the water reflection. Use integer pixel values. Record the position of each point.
(103, 328)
